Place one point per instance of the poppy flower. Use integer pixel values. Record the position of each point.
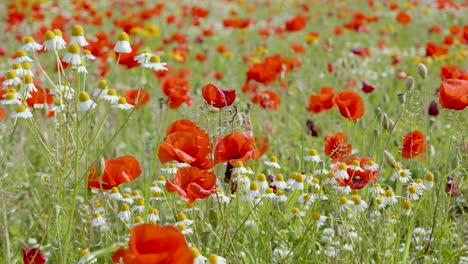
(360, 175)
(267, 71)
(156, 244)
(192, 183)
(3, 113)
(40, 96)
(311, 128)
(217, 97)
(33, 256)
(237, 22)
(367, 87)
(182, 125)
(267, 99)
(336, 146)
(193, 148)
(452, 72)
(177, 90)
(453, 94)
(403, 18)
(116, 171)
(236, 146)
(296, 23)
(350, 104)
(137, 97)
(433, 110)
(433, 50)
(321, 102)
(413, 145)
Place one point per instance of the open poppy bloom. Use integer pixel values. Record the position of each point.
(137, 97)
(217, 97)
(321, 102)
(350, 104)
(237, 22)
(155, 244)
(336, 146)
(33, 256)
(413, 145)
(296, 23)
(116, 171)
(453, 94)
(177, 90)
(236, 146)
(359, 174)
(192, 183)
(433, 50)
(403, 18)
(182, 125)
(267, 99)
(193, 148)
(267, 71)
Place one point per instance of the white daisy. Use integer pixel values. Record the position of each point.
(111, 96)
(319, 219)
(313, 156)
(73, 55)
(359, 204)
(88, 56)
(279, 182)
(296, 213)
(273, 162)
(123, 105)
(143, 57)
(22, 56)
(59, 41)
(21, 112)
(123, 45)
(85, 104)
(78, 36)
(50, 41)
(155, 64)
(342, 173)
(11, 79)
(29, 44)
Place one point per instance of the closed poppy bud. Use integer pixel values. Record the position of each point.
(433, 110)
(367, 87)
(217, 97)
(422, 70)
(409, 83)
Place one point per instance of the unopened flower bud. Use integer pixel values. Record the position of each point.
(409, 83)
(422, 70)
(390, 159)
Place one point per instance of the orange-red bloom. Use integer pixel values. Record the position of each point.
(267, 99)
(296, 23)
(236, 146)
(192, 183)
(155, 244)
(116, 171)
(433, 50)
(321, 102)
(413, 145)
(403, 18)
(182, 125)
(350, 104)
(358, 178)
(218, 97)
(177, 90)
(237, 22)
(453, 94)
(137, 97)
(33, 256)
(336, 146)
(193, 148)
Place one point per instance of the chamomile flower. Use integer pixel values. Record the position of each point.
(280, 196)
(269, 194)
(139, 205)
(379, 202)
(345, 203)
(27, 69)
(123, 44)
(393, 219)
(87, 55)
(197, 257)
(126, 198)
(78, 36)
(143, 57)
(407, 207)
(114, 194)
(215, 259)
(389, 197)
(28, 86)
(22, 56)
(98, 221)
(262, 182)
(429, 180)
(136, 195)
(160, 180)
(419, 183)
(243, 184)
(57, 106)
(359, 204)
(11, 79)
(238, 169)
(85, 103)
(99, 208)
(122, 104)
(59, 41)
(315, 182)
(153, 215)
(330, 179)
(170, 169)
(111, 96)
(319, 195)
(279, 182)
(50, 41)
(404, 175)
(343, 189)
(377, 189)
(312, 156)
(298, 183)
(182, 219)
(124, 213)
(155, 64)
(371, 166)
(253, 191)
(155, 187)
(21, 112)
(73, 55)
(101, 89)
(137, 220)
(16, 67)
(318, 219)
(11, 98)
(82, 67)
(63, 91)
(29, 44)
(272, 162)
(296, 213)
(413, 192)
(86, 257)
(156, 196)
(220, 197)
(355, 166)
(184, 229)
(306, 199)
(341, 172)
(249, 171)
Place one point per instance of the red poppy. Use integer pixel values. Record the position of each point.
(296, 23)
(350, 104)
(403, 18)
(137, 97)
(116, 171)
(3, 113)
(193, 148)
(217, 97)
(127, 59)
(413, 145)
(237, 22)
(182, 125)
(266, 71)
(453, 94)
(367, 87)
(267, 99)
(33, 256)
(41, 96)
(177, 90)
(433, 50)
(236, 146)
(336, 146)
(321, 102)
(192, 183)
(155, 244)
(358, 177)
(452, 72)
(297, 48)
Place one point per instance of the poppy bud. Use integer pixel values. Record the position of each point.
(422, 70)
(409, 83)
(433, 110)
(401, 98)
(390, 159)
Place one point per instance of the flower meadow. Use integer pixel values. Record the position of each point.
(260, 131)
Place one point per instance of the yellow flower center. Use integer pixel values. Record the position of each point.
(155, 59)
(153, 211)
(84, 252)
(357, 199)
(419, 181)
(370, 163)
(403, 174)
(295, 210)
(261, 177)
(49, 35)
(21, 53)
(412, 189)
(316, 216)
(238, 164)
(316, 180)
(279, 177)
(16, 66)
(135, 193)
(356, 163)
(28, 79)
(10, 96)
(114, 189)
(299, 178)
(57, 32)
(273, 159)
(156, 194)
(388, 193)
(343, 200)
(213, 259)
(58, 102)
(429, 177)
(181, 227)
(122, 100)
(378, 201)
(20, 109)
(138, 219)
(123, 37)
(253, 186)
(27, 66)
(28, 39)
(112, 92)
(195, 252)
(394, 217)
(307, 197)
(124, 207)
(181, 217)
(97, 205)
(279, 192)
(343, 167)
(407, 204)
(77, 31)
(161, 178)
(269, 190)
(74, 48)
(84, 96)
(10, 75)
(102, 84)
(140, 202)
(126, 196)
(313, 152)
